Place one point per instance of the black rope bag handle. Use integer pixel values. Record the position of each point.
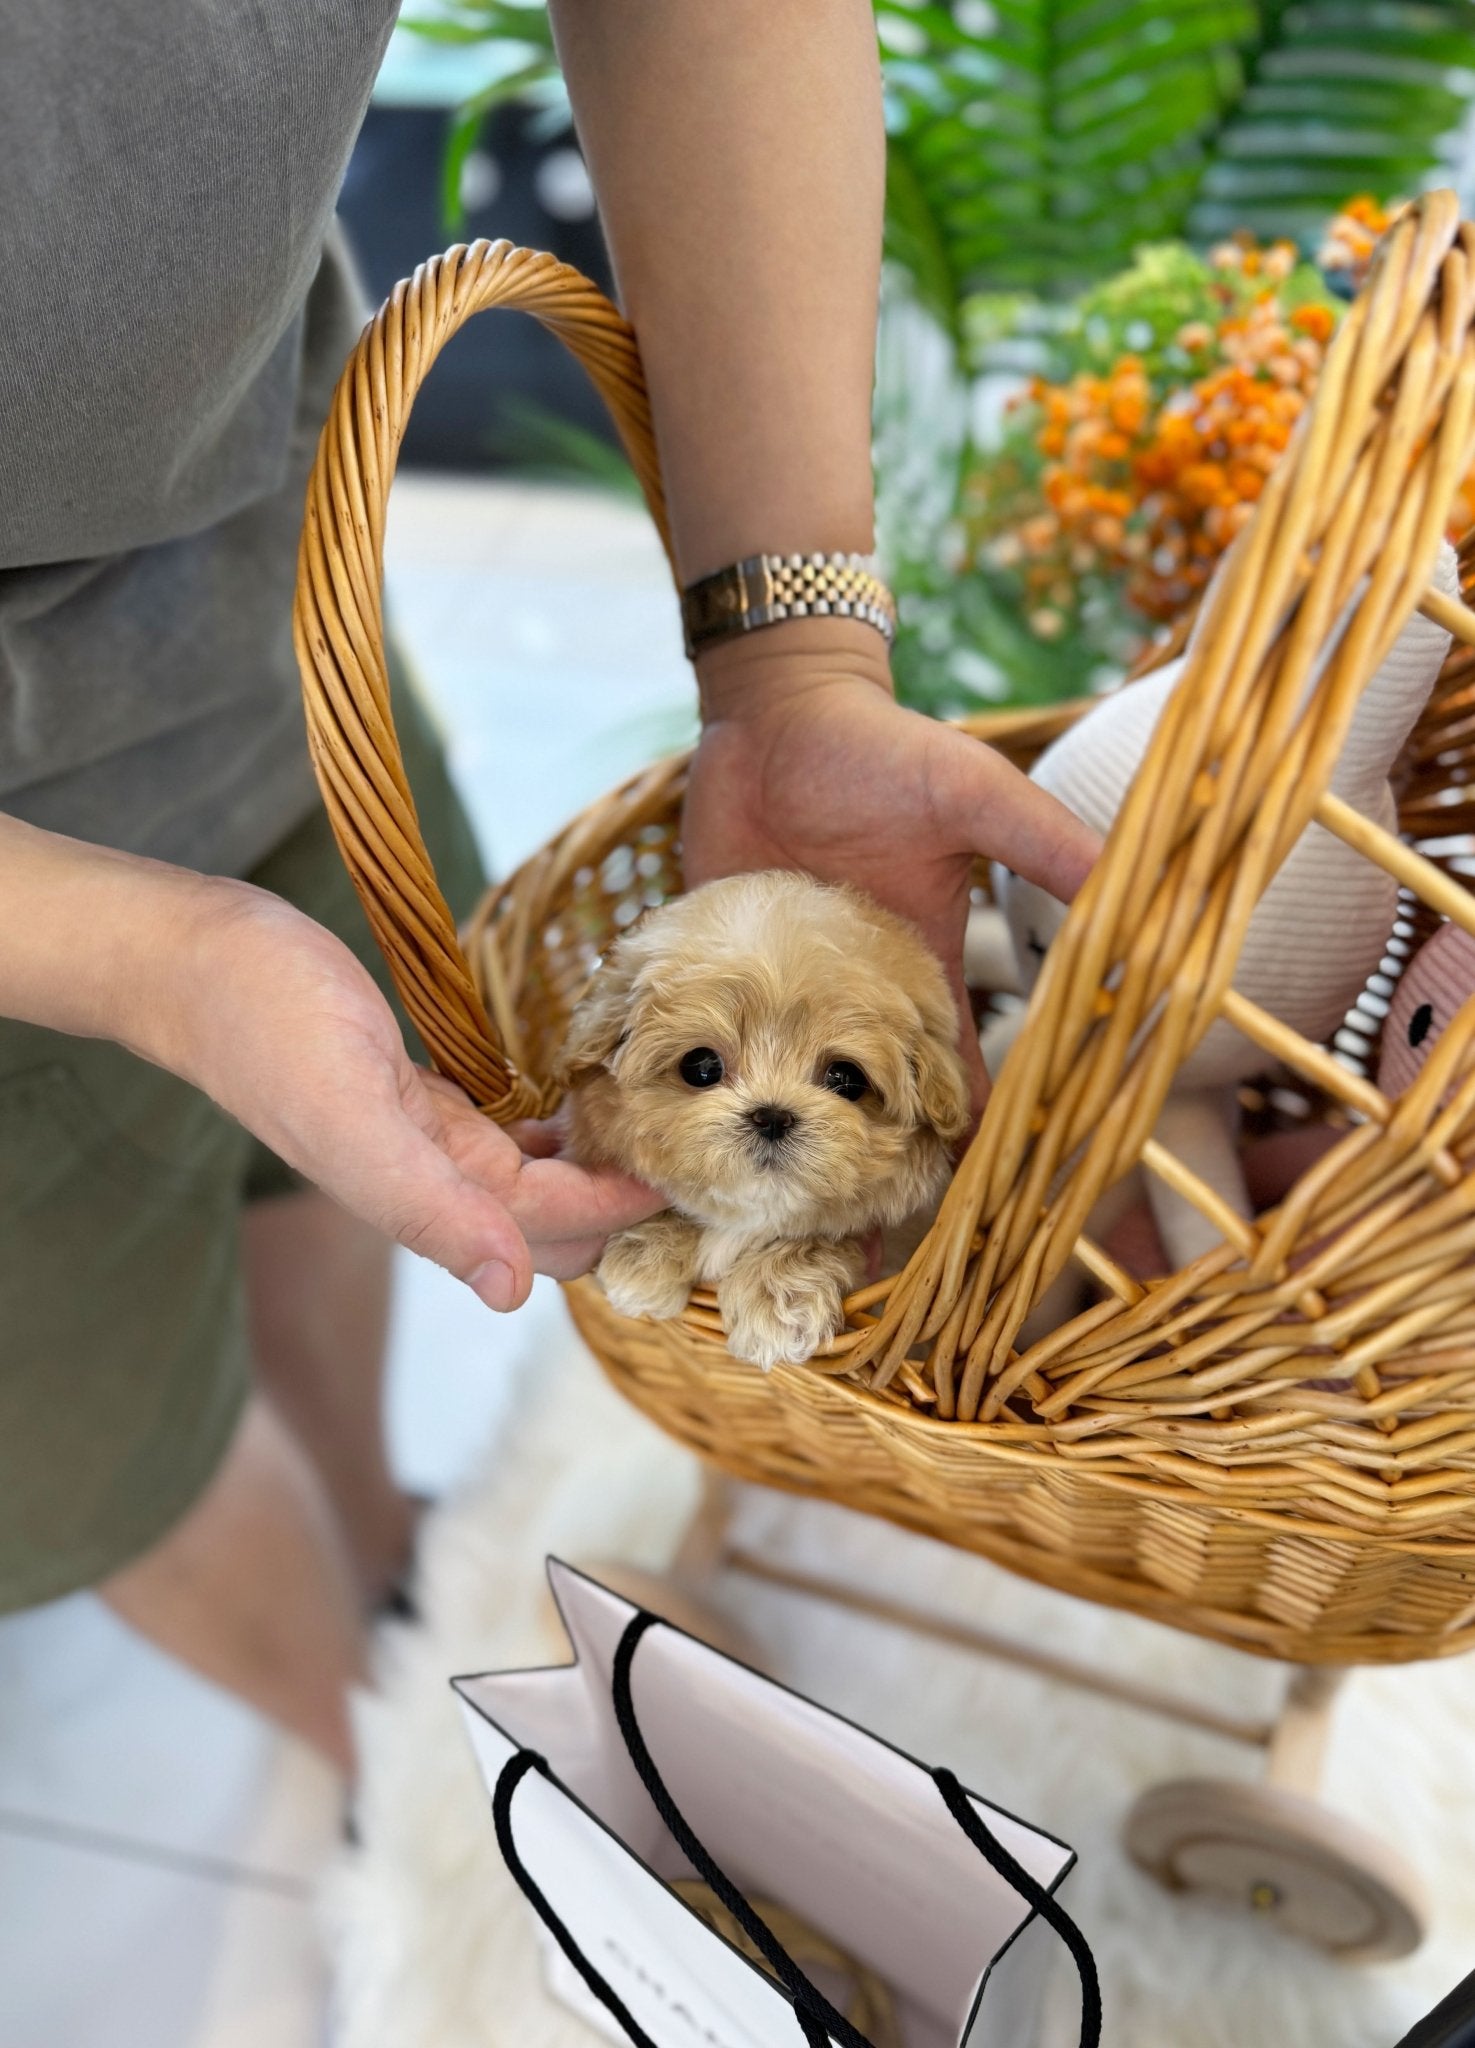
(820, 2022)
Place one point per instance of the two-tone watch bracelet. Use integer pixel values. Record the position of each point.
(761, 590)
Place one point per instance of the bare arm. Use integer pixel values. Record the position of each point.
(272, 1016)
(738, 153)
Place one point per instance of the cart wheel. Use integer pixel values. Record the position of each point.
(671, 1599)
(1273, 1852)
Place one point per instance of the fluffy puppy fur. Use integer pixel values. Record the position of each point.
(778, 1058)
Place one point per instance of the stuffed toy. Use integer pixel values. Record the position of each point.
(1434, 986)
(1436, 983)
(1317, 933)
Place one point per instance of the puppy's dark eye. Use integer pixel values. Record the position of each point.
(1421, 1023)
(1036, 946)
(845, 1078)
(701, 1067)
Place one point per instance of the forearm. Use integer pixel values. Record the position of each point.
(273, 1017)
(738, 153)
(94, 942)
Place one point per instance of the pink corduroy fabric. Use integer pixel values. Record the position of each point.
(1436, 983)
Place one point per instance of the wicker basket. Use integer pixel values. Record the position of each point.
(1174, 1450)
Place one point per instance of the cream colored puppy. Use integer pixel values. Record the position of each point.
(778, 1059)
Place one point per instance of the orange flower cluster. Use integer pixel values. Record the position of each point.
(1153, 492)
(1347, 253)
(1131, 483)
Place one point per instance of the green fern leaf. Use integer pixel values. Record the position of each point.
(1340, 98)
(1036, 142)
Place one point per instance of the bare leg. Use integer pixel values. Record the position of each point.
(317, 1284)
(254, 1589)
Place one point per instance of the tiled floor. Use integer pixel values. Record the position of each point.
(157, 1841)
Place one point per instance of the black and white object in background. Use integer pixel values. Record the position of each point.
(1452, 2022)
(779, 1797)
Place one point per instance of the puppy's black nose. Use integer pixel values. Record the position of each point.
(772, 1122)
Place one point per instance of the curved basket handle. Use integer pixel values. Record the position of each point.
(338, 619)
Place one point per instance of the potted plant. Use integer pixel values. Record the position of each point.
(1100, 314)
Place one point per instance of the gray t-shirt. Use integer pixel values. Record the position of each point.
(175, 306)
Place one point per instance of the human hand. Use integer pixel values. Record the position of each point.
(806, 761)
(279, 1024)
(270, 1015)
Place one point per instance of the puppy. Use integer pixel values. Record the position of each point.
(778, 1059)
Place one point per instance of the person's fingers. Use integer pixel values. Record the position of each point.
(550, 1200)
(567, 1260)
(539, 1138)
(393, 1168)
(426, 1204)
(556, 1201)
(995, 810)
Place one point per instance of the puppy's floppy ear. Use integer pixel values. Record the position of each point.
(942, 1084)
(600, 1022)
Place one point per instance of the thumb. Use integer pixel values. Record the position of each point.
(419, 1197)
(444, 1217)
(995, 810)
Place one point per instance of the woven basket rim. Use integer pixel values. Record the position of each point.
(1355, 509)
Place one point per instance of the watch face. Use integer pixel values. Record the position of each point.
(718, 604)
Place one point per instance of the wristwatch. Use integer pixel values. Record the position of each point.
(762, 590)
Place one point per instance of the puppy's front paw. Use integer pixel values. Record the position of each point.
(648, 1270)
(782, 1305)
(784, 1328)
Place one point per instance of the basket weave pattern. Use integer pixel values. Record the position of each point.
(1276, 1446)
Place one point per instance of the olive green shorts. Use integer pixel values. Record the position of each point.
(124, 1363)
